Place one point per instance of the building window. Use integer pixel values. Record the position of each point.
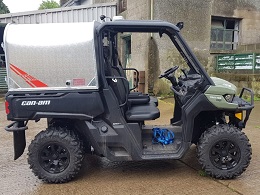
(122, 5)
(224, 33)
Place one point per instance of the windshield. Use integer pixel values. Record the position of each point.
(184, 53)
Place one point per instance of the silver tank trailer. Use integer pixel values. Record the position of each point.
(50, 56)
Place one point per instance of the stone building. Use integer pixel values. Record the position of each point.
(211, 27)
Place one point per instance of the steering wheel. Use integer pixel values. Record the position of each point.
(168, 72)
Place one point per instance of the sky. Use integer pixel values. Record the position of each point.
(23, 5)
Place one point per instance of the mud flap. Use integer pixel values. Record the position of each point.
(18, 128)
(19, 143)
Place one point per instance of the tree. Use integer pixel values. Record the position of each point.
(62, 2)
(3, 8)
(49, 5)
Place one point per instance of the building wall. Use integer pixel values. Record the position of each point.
(139, 10)
(154, 54)
(248, 11)
(196, 16)
(197, 20)
(249, 37)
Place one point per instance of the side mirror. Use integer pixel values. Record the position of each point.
(180, 25)
(102, 17)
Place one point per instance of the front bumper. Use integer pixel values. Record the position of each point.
(244, 105)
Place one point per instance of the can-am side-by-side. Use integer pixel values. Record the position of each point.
(71, 75)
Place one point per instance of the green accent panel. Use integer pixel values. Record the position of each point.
(220, 102)
(220, 90)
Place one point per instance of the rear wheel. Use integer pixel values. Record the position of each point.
(56, 155)
(224, 151)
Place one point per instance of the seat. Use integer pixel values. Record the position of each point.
(137, 98)
(132, 111)
(120, 85)
(142, 112)
(134, 98)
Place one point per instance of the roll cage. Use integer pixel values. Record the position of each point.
(160, 27)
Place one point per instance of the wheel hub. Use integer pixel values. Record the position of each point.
(55, 162)
(54, 158)
(225, 159)
(225, 154)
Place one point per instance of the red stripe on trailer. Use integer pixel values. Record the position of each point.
(13, 69)
(33, 82)
(21, 75)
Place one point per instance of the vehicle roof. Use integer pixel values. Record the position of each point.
(144, 25)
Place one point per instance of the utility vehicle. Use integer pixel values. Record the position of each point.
(71, 75)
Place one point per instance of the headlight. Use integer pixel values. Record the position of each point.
(228, 97)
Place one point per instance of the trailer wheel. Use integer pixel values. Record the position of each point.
(224, 151)
(56, 155)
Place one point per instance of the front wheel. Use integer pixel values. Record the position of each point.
(56, 155)
(224, 151)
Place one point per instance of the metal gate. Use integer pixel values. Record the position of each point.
(3, 86)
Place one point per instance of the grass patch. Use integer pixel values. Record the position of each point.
(257, 98)
(246, 96)
(202, 173)
(249, 99)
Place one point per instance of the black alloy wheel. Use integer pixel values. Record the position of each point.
(56, 155)
(54, 158)
(224, 151)
(225, 154)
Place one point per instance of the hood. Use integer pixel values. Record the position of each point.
(224, 84)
